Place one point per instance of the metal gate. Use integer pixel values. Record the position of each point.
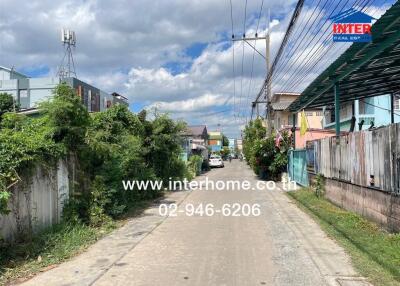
(297, 167)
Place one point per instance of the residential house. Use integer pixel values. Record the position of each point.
(215, 139)
(283, 118)
(195, 141)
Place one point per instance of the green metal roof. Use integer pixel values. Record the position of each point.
(363, 70)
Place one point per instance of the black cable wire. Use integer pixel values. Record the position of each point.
(254, 53)
(244, 35)
(310, 65)
(233, 59)
(315, 33)
(322, 53)
(318, 40)
(291, 52)
(289, 30)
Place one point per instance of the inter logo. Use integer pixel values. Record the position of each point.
(352, 26)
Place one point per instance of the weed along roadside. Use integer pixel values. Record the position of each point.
(100, 150)
(375, 252)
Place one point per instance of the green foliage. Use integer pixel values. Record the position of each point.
(24, 142)
(7, 104)
(319, 185)
(123, 146)
(111, 146)
(374, 252)
(53, 245)
(164, 147)
(261, 151)
(108, 146)
(67, 118)
(225, 152)
(194, 165)
(225, 141)
(101, 202)
(253, 132)
(279, 163)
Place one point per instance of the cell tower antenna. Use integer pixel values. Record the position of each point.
(67, 67)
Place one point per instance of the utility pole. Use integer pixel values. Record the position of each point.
(267, 39)
(268, 96)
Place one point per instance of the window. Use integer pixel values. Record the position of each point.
(309, 113)
(396, 102)
(290, 120)
(319, 113)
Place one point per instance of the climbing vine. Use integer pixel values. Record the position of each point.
(110, 146)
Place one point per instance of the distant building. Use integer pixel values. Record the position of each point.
(195, 141)
(28, 92)
(232, 145)
(215, 139)
(283, 118)
(239, 143)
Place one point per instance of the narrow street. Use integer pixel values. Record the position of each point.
(282, 246)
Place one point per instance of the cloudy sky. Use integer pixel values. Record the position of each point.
(173, 55)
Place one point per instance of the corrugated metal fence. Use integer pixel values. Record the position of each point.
(366, 158)
(297, 167)
(37, 202)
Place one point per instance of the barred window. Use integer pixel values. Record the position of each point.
(396, 102)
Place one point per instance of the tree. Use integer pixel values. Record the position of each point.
(7, 103)
(67, 117)
(225, 141)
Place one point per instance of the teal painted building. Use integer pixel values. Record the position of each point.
(374, 110)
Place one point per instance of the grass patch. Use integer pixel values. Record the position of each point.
(46, 249)
(375, 253)
(56, 244)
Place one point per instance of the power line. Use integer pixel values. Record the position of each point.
(244, 35)
(289, 30)
(325, 49)
(254, 53)
(312, 51)
(314, 61)
(289, 53)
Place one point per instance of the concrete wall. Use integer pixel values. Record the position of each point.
(378, 206)
(36, 202)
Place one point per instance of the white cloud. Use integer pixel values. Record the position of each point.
(202, 103)
(124, 46)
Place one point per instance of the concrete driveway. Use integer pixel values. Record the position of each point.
(281, 246)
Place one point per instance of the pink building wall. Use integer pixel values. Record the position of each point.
(312, 134)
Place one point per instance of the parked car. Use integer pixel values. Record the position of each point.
(216, 161)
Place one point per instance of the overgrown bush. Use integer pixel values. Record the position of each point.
(24, 142)
(109, 146)
(194, 165)
(7, 104)
(319, 185)
(267, 158)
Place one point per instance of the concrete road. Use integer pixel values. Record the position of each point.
(281, 246)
